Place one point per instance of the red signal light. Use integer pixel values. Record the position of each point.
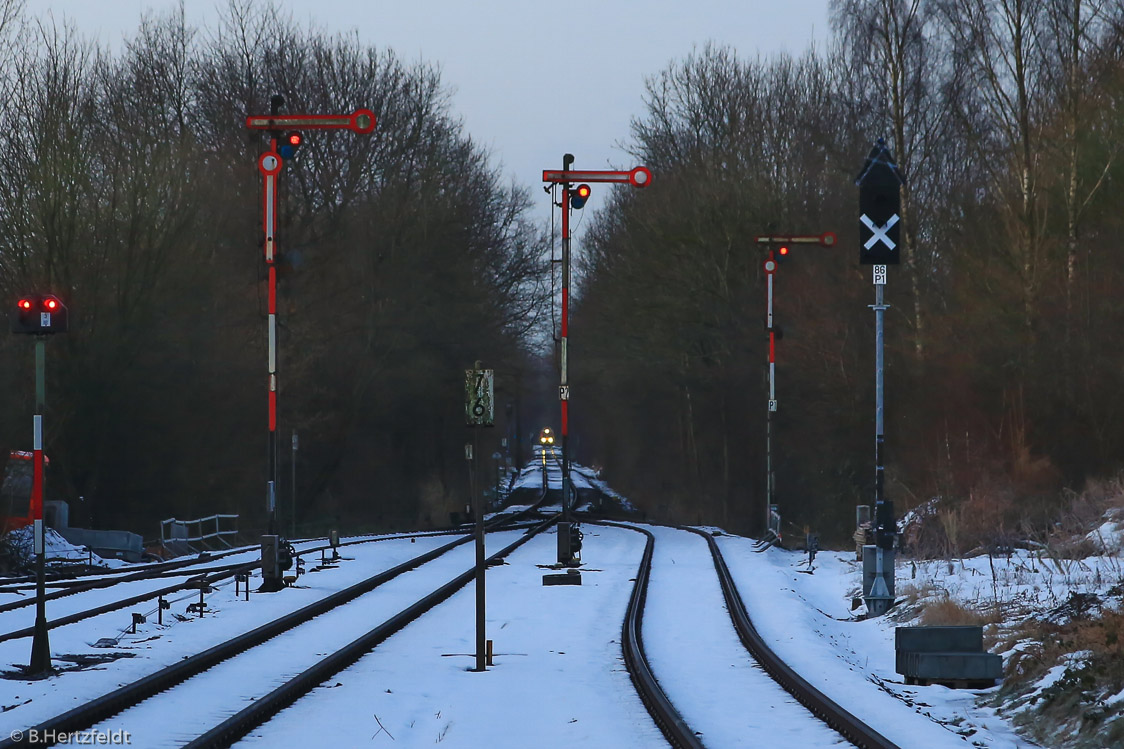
(288, 145)
(580, 195)
(51, 304)
(24, 304)
(783, 251)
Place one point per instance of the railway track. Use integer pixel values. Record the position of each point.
(823, 707)
(261, 710)
(72, 583)
(664, 712)
(670, 722)
(204, 577)
(109, 705)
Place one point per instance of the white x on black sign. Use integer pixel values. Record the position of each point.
(878, 233)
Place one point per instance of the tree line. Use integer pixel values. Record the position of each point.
(1004, 351)
(132, 191)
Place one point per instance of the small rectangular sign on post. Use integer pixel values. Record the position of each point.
(880, 274)
(479, 400)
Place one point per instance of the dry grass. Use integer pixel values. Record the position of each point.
(947, 612)
(1072, 711)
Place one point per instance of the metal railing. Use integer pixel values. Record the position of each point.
(176, 532)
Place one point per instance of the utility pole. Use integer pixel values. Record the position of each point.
(879, 236)
(569, 542)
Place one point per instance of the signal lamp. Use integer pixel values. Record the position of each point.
(39, 314)
(288, 146)
(579, 196)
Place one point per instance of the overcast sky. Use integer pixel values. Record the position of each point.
(532, 79)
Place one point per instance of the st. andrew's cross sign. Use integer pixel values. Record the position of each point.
(880, 208)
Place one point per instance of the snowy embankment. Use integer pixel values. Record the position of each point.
(1055, 612)
(804, 615)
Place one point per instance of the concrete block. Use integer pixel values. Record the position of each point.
(946, 639)
(950, 667)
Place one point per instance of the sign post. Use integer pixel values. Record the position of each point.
(778, 245)
(568, 542)
(480, 410)
(879, 186)
(361, 121)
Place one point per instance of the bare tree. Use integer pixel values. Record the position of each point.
(1076, 32)
(1002, 107)
(894, 49)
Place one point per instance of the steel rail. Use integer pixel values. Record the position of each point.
(192, 582)
(71, 584)
(110, 704)
(261, 710)
(106, 608)
(61, 577)
(663, 712)
(823, 707)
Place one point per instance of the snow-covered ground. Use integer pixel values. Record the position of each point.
(558, 677)
(806, 619)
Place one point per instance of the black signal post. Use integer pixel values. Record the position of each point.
(879, 186)
(575, 198)
(39, 315)
(780, 248)
(282, 146)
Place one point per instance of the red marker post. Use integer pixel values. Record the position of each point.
(361, 121)
(778, 245)
(637, 177)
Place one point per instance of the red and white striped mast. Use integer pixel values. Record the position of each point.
(270, 164)
(637, 177)
(360, 121)
(827, 239)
